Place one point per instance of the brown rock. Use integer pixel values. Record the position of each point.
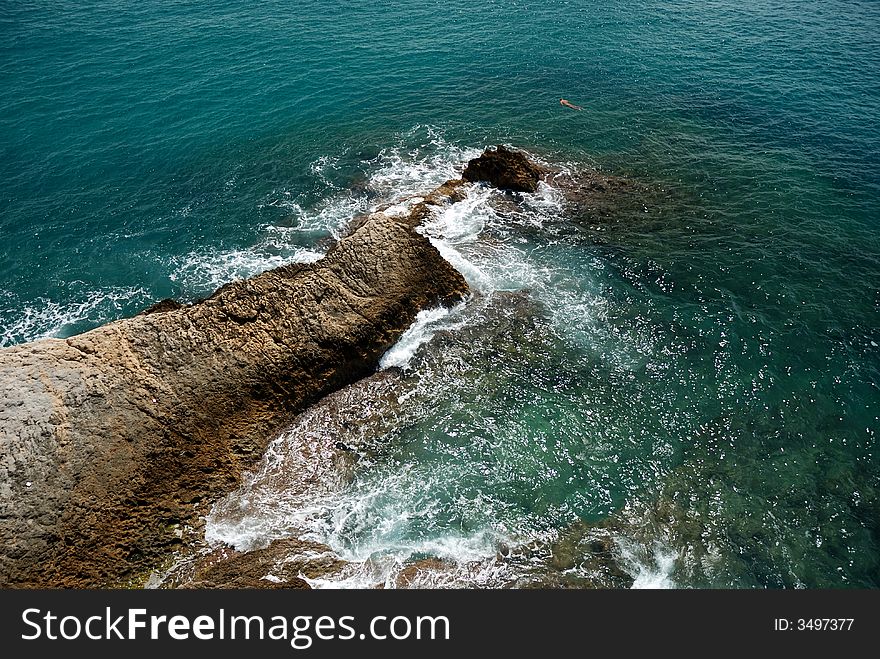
(163, 305)
(408, 577)
(451, 190)
(505, 169)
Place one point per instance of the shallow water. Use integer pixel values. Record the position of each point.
(703, 371)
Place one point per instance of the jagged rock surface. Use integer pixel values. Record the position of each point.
(505, 169)
(110, 440)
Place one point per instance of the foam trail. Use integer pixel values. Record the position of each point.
(463, 234)
(396, 173)
(426, 324)
(457, 562)
(200, 272)
(44, 318)
(401, 171)
(331, 216)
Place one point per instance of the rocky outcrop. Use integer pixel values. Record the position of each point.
(596, 199)
(505, 169)
(111, 440)
(114, 443)
(584, 556)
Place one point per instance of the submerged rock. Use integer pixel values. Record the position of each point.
(422, 573)
(582, 556)
(111, 440)
(282, 564)
(598, 202)
(505, 169)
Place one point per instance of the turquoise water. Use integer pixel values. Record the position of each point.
(705, 373)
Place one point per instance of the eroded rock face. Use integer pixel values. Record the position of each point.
(505, 169)
(110, 440)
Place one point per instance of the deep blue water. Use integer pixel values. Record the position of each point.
(717, 363)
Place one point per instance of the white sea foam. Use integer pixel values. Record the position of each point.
(488, 264)
(457, 562)
(545, 203)
(427, 323)
(464, 221)
(652, 567)
(321, 166)
(284, 493)
(331, 216)
(483, 246)
(372, 522)
(656, 579)
(395, 178)
(402, 171)
(44, 318)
